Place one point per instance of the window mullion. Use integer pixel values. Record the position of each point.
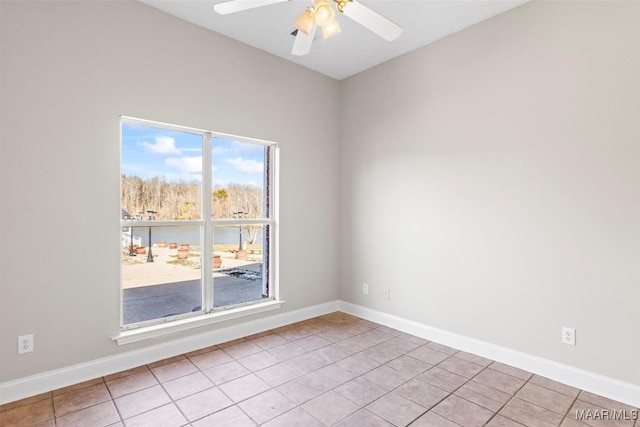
(236, 163)
(207, 238)
(249, 221)
(273, 214)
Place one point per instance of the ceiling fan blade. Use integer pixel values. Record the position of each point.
(240, 5)
(372, 20)
(303, 42)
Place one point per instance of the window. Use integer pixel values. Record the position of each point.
(197, 220)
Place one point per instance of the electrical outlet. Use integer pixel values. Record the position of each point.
(387, 293)
(365, 288)
(569, 336)
(25, 344)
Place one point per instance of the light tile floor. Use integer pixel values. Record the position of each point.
(331, 370)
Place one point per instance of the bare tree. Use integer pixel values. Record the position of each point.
(181, 200)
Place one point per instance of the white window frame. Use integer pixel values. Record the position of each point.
(162, 326)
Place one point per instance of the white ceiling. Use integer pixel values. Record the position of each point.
(355, 49)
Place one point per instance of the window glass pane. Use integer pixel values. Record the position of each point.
(240, 273)
(163, 280)
(238, 179)
(162, 180)
(161, 172)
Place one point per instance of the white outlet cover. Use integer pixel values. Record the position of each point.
(25, 344)
(569, 336)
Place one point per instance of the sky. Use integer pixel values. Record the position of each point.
(150, 152)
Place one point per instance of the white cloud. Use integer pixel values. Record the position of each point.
(186, 165)
(163, 145)
(247, 147)
(219, 150)
(246, 165)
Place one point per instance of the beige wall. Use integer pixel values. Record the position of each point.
(69, 70)
(491, 181)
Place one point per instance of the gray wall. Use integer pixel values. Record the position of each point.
(69, 70)
(491, 181)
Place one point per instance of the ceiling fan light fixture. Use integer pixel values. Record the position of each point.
(331, 29)
(305, 21)
(340, 4)
(323, 12)
(320, 14)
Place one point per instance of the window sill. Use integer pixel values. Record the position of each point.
(148, 332)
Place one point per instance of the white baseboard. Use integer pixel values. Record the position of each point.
(51, 380)
(40, 383)
(599, 384)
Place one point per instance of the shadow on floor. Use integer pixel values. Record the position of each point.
(157, 301)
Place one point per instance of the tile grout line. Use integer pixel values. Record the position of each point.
(410, 379)
(466, 382)
(252, 372)
(415, 377)
(113, 401)
(385, 394)
(173, 401)
(214, 385)
(506, 403)
(452, 393)
(55, 416)
(103, 381)
(359, 376)
(575, 399)
(286, 362)
(338, 360)
(528, 381)
(321, 325)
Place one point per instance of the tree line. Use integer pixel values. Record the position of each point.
(182, 201)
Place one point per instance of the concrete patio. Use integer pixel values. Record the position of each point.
(160, 289)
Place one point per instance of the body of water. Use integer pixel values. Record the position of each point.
(191, 235)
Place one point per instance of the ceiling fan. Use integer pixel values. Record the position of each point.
(321, 14)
